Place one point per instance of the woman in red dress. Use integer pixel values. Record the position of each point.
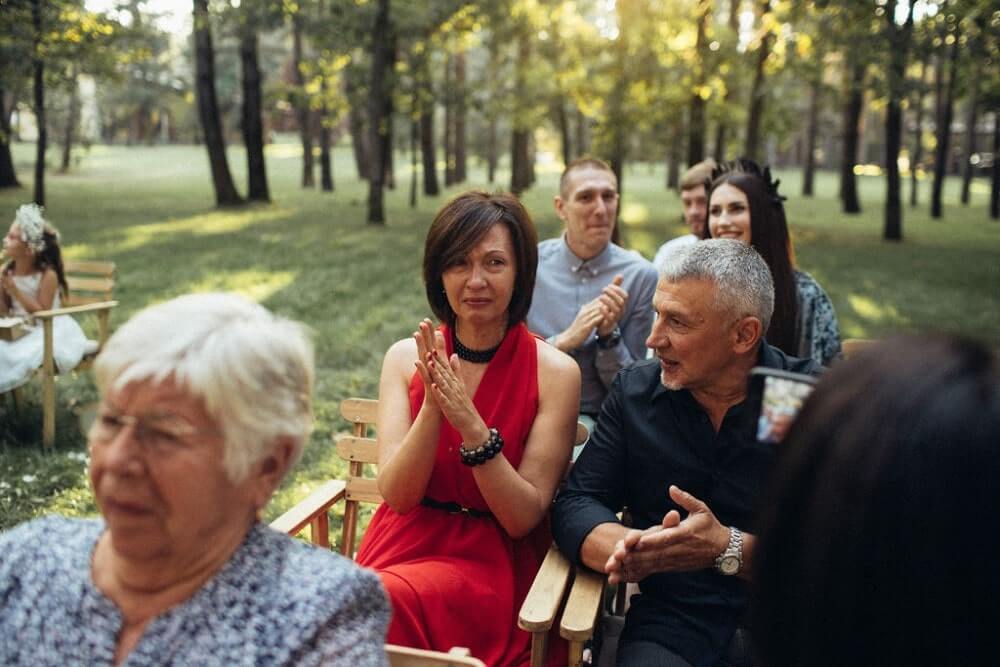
(468, 467)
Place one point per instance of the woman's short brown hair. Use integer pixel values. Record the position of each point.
(459, 226)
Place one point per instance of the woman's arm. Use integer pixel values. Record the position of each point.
(46, 292)
(406, 449)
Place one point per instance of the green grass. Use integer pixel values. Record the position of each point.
(310, 256)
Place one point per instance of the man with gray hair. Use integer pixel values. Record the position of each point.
(671, 445)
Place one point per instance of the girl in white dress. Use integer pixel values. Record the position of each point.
(33, 280)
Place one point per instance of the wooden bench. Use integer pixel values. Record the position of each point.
(359, 450)
(91, 290)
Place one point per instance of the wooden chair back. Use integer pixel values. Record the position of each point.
(358, 449)
(89, 281)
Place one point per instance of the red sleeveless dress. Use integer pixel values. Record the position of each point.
(456, 579)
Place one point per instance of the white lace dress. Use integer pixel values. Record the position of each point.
(20, 358)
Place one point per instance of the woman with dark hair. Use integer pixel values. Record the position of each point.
(877, 544)
(31, 281)
(744, 204)
(476, 420)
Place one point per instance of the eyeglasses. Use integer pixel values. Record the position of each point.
(156, 434)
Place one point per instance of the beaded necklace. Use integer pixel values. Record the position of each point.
(475, 356)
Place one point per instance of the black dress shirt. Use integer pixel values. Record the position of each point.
(649, 437)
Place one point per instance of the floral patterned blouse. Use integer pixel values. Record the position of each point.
(818, 331)
(277, 601)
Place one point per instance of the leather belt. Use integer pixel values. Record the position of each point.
(455, 508)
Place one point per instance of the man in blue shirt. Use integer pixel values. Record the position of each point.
(674, 446)
(591, 297)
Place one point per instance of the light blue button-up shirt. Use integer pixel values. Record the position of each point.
(564, 283)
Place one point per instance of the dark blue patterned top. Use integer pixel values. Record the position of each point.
(276, 602)
(818, 330)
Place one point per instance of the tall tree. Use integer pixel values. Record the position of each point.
(943, 122)
(520, 177)
(854, 95)
(758, 91)
(730, 82)
(696, 107)
(899, 46)
(460, 118)
(8, 175)
(208, 108)
(252, 112)
(300, 100)
(38, 79)
(379, 108)
(917, 154)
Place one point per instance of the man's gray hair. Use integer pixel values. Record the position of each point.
(252, 369)
(743, 284)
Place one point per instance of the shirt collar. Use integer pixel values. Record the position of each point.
(592, 266)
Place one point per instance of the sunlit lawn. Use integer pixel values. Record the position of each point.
(310, 256)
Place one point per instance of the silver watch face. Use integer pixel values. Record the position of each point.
(729, 565)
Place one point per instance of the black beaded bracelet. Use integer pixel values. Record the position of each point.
(484, 452)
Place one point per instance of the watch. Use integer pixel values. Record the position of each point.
(730, 561)
(611, 340)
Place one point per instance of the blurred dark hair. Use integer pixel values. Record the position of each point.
(769, 236)
(878, 541)
(459, 226)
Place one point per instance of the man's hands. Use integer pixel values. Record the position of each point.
(603, 313)
(673, 546)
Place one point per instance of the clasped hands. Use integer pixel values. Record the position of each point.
(672, 546)
(603, 313)
(444, 389)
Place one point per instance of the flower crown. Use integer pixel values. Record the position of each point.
(29, 219)
(745, 165)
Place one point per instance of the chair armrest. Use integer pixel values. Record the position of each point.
(582, 605)
(72, 310)
(316, 503)
(539, 610)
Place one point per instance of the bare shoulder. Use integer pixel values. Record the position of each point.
(401, 355)
(556, 367)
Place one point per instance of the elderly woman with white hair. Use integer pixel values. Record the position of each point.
(205, 406)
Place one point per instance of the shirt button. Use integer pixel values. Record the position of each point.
(584, 280)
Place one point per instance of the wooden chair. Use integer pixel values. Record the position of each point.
(91, 290)
(403, 656)
(359, 449)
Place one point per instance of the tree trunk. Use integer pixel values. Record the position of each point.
(38, 71)
(562, 121)
(696, 108)
(72, 117)
(855, 75)
(580, 140)
(944, 133)
(208, 108)
(722, 129)
(253, 124)
(970, 134)
(325, 159)
(812, 126)
(414, 161)
(674, 157)
(427, 149)
(520, 176)
(301, 103)
(8, 175)
(382, 42)
(995, 181)
(899, 45)
(756, 112)
(492, 150)
(461, 112)
(448, 134)
(359, 141)
(918, 135)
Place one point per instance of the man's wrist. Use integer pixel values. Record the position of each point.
(606, 341)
